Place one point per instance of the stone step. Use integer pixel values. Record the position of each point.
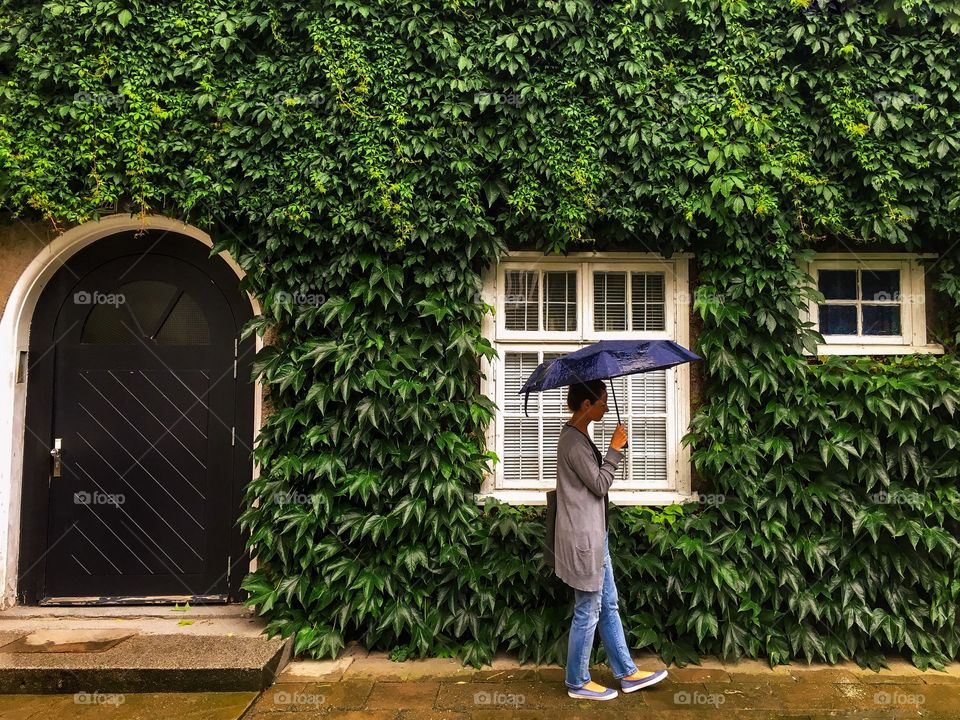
(157, 650)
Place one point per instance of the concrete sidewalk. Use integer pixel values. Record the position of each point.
(359, 684)
(368, 685)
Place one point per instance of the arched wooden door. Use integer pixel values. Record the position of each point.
(139, 424)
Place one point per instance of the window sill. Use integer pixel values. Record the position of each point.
(862, 349)
(617, 497)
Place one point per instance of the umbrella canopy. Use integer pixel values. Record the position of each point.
(603, 360)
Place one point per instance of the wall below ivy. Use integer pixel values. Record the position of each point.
(372, 158)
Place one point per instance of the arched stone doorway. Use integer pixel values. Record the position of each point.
(137, 372)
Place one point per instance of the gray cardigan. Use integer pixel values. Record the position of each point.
(581, 509)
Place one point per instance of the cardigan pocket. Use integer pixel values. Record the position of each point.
(583, 560)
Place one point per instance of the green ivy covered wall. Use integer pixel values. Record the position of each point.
(380, 155)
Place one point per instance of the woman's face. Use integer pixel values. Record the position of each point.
(598, 409)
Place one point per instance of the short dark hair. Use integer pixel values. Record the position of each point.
(590, 390)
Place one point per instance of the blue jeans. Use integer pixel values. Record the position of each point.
(589, 610)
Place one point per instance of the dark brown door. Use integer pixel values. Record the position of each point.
(144, 472)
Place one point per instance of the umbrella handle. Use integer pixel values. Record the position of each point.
(613, 387)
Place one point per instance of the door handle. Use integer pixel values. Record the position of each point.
(55, 454)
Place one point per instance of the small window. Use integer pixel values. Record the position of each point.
(610, 301)
(648, 301)
(872, 304)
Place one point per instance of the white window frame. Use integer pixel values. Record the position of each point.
(913, 322)
(676, 317)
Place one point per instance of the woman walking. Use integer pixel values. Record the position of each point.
(582, 550)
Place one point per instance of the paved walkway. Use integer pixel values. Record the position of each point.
(360, 685)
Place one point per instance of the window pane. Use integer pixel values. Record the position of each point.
(648, 452)
(148, 301)
(144, 311)
(521, 435)
(648, 391)
(521, 300)
(647, 296)
(838, 319)
(521, 451)
(609, 301)
(110, 325)
(185, 325)
(560, 300)
(838, 284)
(643, 409)
(648, 430)
(880, 285)
(551, 437)
(517, 367)
(881, 319)
(553, 402)
(529, 458)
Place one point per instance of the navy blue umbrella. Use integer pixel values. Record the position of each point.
(603, 360)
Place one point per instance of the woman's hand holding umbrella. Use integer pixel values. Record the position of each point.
(619, 438)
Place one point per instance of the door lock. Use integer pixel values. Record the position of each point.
(55, 454)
